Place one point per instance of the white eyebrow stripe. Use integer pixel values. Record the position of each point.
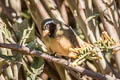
(49, 22)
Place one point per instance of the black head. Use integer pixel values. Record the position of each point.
(49, 27)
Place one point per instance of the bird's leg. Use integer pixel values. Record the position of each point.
(73, 54)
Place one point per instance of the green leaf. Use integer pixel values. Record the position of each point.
(9, 58)
(24, 32)
(37, 66)
(31, 45)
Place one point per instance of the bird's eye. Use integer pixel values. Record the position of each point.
(46, 27)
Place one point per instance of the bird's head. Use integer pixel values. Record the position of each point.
(50, 27)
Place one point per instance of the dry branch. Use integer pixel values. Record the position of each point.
(63, 62)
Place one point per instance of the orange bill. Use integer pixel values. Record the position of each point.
(46, 33)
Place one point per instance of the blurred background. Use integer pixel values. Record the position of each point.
(20, 24)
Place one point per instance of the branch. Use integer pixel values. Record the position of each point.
(63, 62)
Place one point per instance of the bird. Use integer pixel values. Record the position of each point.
(59, 38)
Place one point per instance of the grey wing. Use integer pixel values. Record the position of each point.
(72, 36)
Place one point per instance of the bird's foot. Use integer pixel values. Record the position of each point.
(73, 55)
